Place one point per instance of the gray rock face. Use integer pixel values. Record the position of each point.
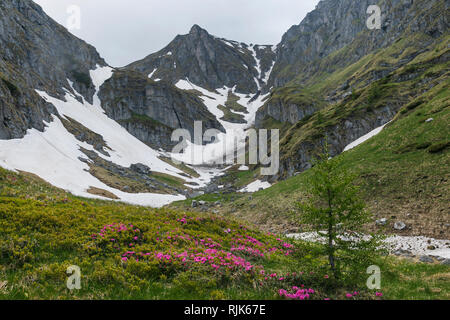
(426, 259)
(337, 23)
(339, 136)
(152, 110)
(209, 62)
(280, 111)
(37, 53)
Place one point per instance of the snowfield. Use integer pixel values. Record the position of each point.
(212, 153)
(54, 155)
(417, 246)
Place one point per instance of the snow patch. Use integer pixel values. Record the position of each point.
(416, 245)
(364, 138)
(54, 155)
(152, 73)
(256, 186)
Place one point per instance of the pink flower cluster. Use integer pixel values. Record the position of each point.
(351, 295)
(297, 293)
(217, 259)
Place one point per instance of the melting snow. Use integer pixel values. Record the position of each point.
(416, 245)
(210, 153)
(152, 73)
(54, 154)
(365, 138)
(256, 186)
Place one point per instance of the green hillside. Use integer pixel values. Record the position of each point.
(130, 252)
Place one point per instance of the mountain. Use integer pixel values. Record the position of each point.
(151, 110)
(210, 62)
(335, 78)
(339, 27)
(38, 53)
(173, 87)
(64, 112)
(52, 123)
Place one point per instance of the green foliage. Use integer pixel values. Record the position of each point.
(337, 214)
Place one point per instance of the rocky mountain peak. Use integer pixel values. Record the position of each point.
(209, 62)
(196, 30)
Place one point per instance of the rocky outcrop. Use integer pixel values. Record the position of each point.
(335, 24)
(152, 110)
(209, 62)
(38, 53)
(338, 137)
(283, 112)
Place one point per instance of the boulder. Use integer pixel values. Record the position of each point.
(399, 225)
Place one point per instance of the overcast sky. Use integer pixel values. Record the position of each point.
(124, 31)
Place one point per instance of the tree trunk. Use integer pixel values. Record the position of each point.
(330, 236)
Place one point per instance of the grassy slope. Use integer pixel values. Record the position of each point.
(402, 174)
(44, 230)
(401, 177)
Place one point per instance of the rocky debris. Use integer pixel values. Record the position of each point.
(446, 262)
(426, 259)
(410, 247)
(194, 204)
(381, 222)
(138, 175)
(140, 168)
(405, 253)
(399, 225)
(195, 194)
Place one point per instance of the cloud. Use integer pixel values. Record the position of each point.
(125, 31)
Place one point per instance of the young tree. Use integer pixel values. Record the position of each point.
(338, 215)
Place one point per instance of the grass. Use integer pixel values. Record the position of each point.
(45, 230)
(403, 174)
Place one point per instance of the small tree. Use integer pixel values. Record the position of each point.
(338, 215)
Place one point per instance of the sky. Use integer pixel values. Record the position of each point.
(124, 31)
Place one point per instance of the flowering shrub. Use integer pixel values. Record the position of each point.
(115, 236)
(136, 252)
(297, 293)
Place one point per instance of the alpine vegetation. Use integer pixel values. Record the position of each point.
(316, 168)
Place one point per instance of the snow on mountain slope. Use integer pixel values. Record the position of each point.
(256, 186)
(213, 152)
(364, 138)
(54, 155)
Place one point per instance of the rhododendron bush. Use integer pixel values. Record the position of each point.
(133, 252)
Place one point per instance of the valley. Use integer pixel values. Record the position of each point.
(91, 171)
